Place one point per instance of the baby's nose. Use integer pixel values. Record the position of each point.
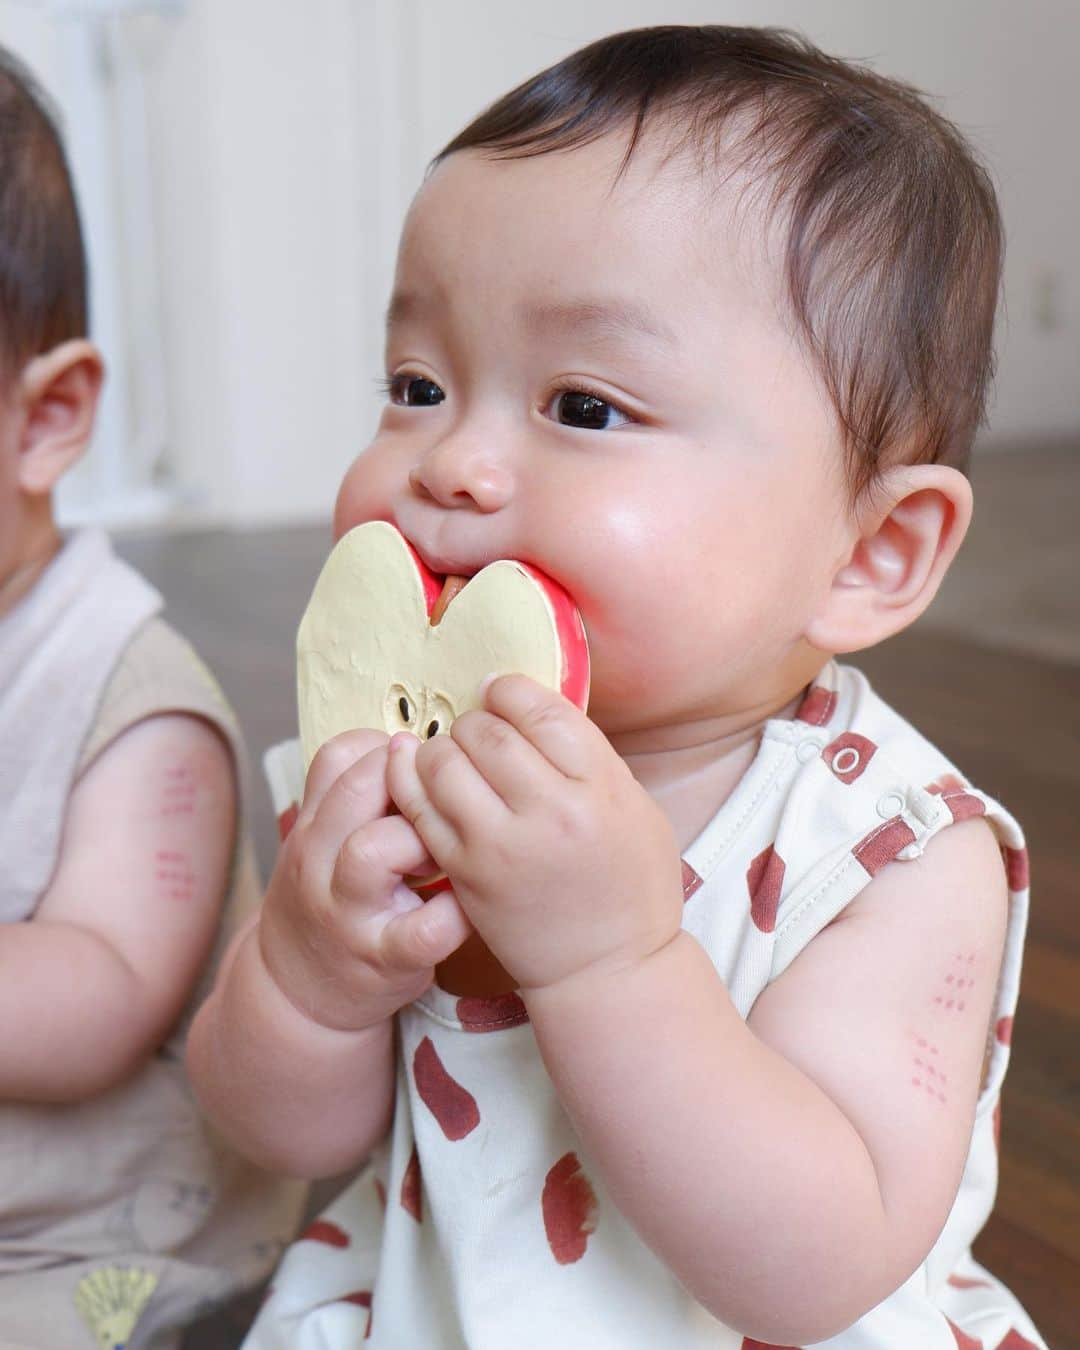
(458, 474)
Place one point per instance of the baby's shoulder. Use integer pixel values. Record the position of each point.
(843, 794)
(157, 672)
(861, 763)
(874, 793)
(849, 714)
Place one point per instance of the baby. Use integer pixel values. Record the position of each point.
(121, 1216)
(704, 1044)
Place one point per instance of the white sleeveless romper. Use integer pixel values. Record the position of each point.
(481, 1221)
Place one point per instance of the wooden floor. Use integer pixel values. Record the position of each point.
(1008, 717)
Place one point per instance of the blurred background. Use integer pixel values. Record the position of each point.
(243, 168)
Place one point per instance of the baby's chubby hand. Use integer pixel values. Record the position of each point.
(557, 855)
(344, 939)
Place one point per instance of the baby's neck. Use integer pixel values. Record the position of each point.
(37, 545)
(691, 775)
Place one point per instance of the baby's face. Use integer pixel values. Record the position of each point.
(600, 381)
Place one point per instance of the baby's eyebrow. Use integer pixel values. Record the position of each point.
(606, 318)
(601, 319)
(406, 305)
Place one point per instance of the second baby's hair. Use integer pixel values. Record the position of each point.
(43, 277)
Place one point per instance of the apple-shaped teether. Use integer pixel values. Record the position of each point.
(386, 643)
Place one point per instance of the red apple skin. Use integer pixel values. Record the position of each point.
(431, 583)
(571, 631)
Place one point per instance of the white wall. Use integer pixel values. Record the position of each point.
(260, 191)
(289, 138)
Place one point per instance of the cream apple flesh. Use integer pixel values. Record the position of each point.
(385, 643)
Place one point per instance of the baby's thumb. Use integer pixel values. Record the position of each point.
(423, 936)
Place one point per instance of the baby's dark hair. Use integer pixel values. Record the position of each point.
(43, 279)
(894, 241)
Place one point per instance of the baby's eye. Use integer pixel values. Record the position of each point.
(588, 412)
(414, 391)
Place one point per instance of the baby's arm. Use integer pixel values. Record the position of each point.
(292, 1054)
(795, 1169)
(93, 983)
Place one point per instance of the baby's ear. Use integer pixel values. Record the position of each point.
(907, 530)
(58, 396)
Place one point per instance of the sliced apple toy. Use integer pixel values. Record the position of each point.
(385, 643)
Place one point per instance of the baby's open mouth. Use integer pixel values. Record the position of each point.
(451, 585)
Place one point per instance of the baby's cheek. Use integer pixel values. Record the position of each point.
(365, 492)
(348, 509)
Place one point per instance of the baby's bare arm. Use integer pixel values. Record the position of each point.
(795, 1169)
(295, 1096)
(292, 1054)
(97, 978)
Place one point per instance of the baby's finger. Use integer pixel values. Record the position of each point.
(508, 763)
(374, 858)
(457, 786)
(548, 721)
(357, 797)
(410, 794)
(423, 936)
(331, 761)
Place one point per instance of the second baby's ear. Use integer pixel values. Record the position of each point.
(906, 532)
(58, 395)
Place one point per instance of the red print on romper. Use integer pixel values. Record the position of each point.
(690, 881)
(568, 1204)
(1014, 1341)
(883, 844)
(953, 791)
(963, 1340)
(748, 1343)
(817, 707)
(411, 1194)
(497, 1012)
(322, 1230)
(452, 1106)
(963, 805)
(965, 1282)
(849, 755)
(765, 880)
(1016, 868)
(362, 1299)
